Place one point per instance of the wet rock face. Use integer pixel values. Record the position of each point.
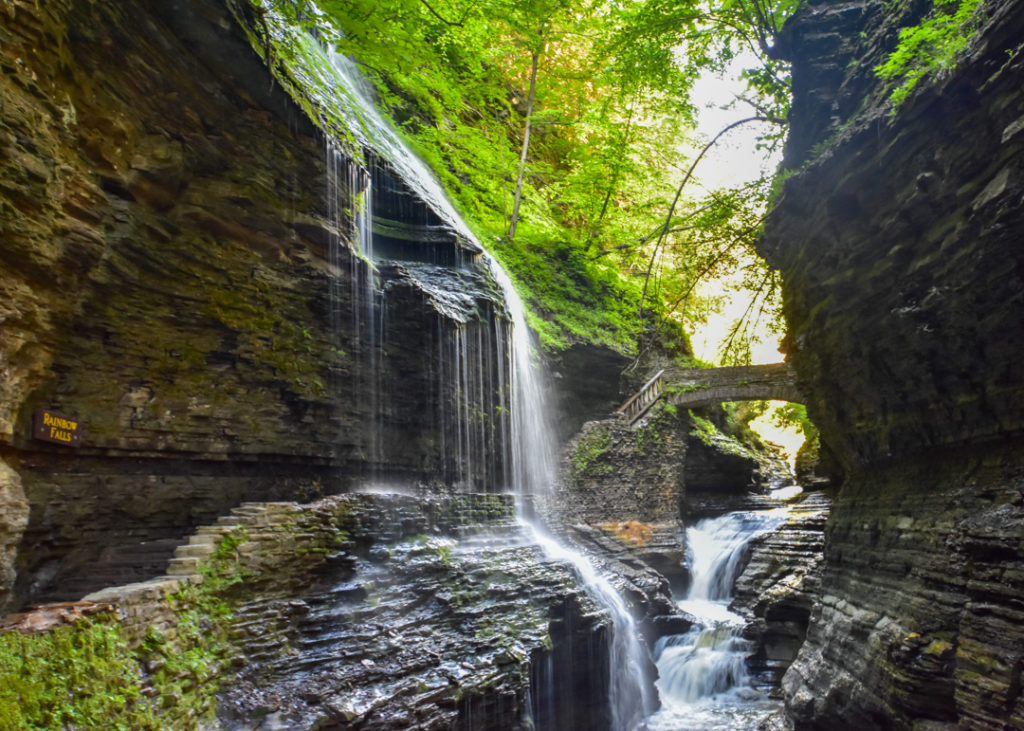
(898, 246)
(166, 278)
(898, 242)
(411, 613)
(780, 585)
(430, 633)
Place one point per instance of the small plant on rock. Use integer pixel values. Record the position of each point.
(931, 47)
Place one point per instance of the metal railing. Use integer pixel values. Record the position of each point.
(639, 403)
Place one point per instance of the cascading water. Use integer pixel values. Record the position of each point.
(532, 452)
(530, 456)
(630, 696)
(703, 680)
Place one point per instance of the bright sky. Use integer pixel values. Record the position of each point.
(734, 159)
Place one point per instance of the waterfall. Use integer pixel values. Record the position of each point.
(530, 441)
(630, 697)
(529, 450)
(703, 680)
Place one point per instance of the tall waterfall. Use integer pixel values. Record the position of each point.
(703, 680)
(531, 441)
(532, 448)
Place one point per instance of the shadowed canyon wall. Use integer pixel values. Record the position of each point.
(898, 238)
(166, 280)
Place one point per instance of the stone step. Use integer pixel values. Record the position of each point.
(182, 566)
(206, 539)
(209, 530)
(199, 550)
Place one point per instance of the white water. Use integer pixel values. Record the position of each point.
(703, 680)
(630, 694)
(531, 440)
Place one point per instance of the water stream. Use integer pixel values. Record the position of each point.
(703, 681)
(530, 447)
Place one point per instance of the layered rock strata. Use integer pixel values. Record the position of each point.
(898, 243)
(178, 276)
(780, 585)
(381, 611)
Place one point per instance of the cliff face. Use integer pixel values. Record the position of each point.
(898, 238)
(177, 276)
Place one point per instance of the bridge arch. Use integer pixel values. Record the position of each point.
(692, 387)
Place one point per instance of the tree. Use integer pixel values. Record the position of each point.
(579, 109)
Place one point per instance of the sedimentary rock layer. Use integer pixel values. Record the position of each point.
(898, 238)
(167, 280)
(921, 614)
(391, 611)
(780, 585)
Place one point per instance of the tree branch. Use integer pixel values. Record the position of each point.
(679, 192)
(449, 23)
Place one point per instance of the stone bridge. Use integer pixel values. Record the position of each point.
(693, 387)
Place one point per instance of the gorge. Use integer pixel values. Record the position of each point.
(316, 484)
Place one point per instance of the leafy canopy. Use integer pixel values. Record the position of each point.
(614, 234)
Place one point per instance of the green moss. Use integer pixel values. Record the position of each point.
(590, 449)
(938, 648)
(87, 675)
(81, 676)
(293, 353)
(703, 428)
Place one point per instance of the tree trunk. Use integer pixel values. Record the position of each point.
(526, 143)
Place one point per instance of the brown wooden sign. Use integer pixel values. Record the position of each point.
(51, 427)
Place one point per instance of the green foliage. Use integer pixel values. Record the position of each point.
(790, 415)
(611, 115)
(703, 428)
(80, 676)
(86, 675)
(736, 435)
(931, 47)
(738, 415)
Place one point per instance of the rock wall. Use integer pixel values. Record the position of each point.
(780, 585)
(612, 471)
(921, 613)
(371, 611)
(897, 241)
(176, 275)
(897, 236)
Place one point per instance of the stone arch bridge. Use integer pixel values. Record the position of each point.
(693, 387)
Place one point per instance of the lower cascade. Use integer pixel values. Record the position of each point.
(703, 679)
(629, 693)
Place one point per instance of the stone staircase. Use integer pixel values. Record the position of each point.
(282, 546)
(142, 604)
